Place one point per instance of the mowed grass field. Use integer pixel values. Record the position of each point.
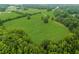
(37, 29)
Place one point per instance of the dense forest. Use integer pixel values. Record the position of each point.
(19, 42)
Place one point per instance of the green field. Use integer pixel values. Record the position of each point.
(5, 15)
(37, 29)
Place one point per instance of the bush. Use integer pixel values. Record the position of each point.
(45, 19)
(28, 17)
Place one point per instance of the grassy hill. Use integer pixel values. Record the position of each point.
(37, 29)
(45, 29)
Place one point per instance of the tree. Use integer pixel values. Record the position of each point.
(28, 17)
(16, 41)
(45, 45)
(52, 48)
(52, 18)
(45, 19)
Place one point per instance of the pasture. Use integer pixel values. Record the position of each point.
(35, 27)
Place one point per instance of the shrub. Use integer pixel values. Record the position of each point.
(28, 17)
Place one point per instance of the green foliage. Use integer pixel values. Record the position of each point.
(52, 18)
(28, 17)
(45, 44)
(45, 19)
(18, 41)
(69, 20)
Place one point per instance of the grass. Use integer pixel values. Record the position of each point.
(37, 30)
(5, 15)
